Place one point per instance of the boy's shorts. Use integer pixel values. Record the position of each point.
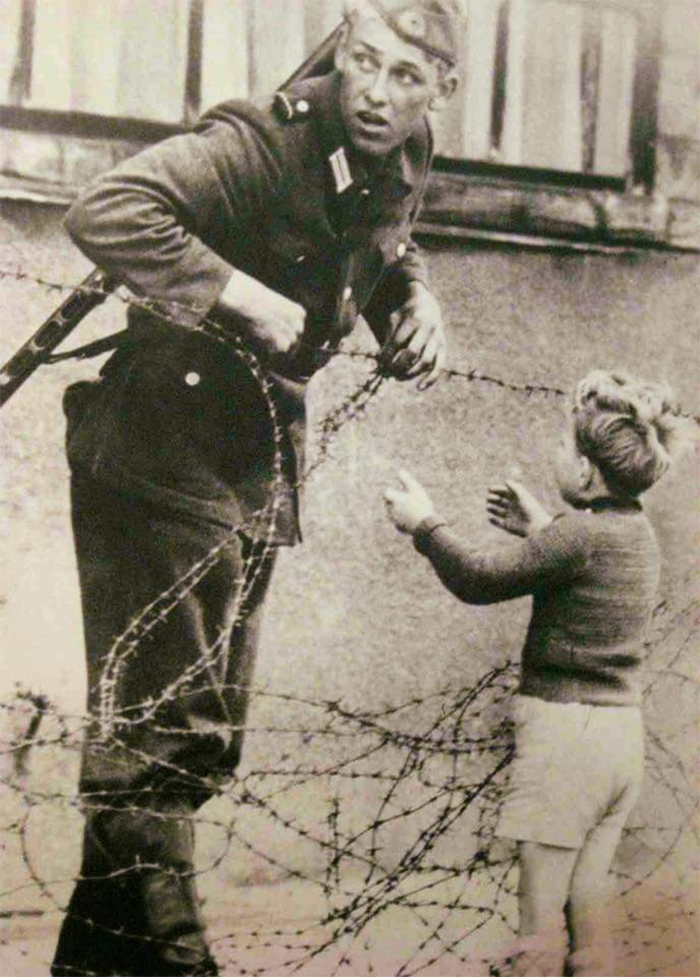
(576, 767)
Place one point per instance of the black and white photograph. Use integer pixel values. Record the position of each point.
(349, 510)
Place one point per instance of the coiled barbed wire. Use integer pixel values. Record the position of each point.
(437, 763)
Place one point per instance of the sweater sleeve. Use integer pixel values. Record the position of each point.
(551, 557)
(147, 221)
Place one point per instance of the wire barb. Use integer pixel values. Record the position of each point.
(418, 856)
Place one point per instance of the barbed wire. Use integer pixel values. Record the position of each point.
(469, 374)
(421, 848)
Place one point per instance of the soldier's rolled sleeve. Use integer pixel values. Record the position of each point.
(145, 222)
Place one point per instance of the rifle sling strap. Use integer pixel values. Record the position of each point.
(103, 345)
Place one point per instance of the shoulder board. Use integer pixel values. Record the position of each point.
(234, 109)
(239, 110)
(289, 108)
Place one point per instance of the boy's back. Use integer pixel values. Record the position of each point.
(585, 639)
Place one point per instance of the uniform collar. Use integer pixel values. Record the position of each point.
(394, 172)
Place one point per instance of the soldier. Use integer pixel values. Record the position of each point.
(284, 219)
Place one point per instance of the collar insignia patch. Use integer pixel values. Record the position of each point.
(341, 170)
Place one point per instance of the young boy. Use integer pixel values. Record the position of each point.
(594, 574)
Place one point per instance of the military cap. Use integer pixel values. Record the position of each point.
(434, 26)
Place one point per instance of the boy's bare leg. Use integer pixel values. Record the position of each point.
(590, 896)
(545, 874)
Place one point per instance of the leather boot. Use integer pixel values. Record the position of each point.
(174, 923)
(99, 933)
(134, 911)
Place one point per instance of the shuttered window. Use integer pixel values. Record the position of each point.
(558, 85)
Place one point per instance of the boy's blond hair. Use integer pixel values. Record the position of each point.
(630, 429)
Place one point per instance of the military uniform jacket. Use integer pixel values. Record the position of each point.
(273, 189)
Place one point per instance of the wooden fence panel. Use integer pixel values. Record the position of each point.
(51, 75)
(152, 59)
(616, 82)
(94, 56)
(225, 51)
(549, 81)
(321, 17)
(277, 29)
(10, 20)
(514, 115)
(552, 118)
(477, 80)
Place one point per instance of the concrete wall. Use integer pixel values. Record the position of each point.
(355, 614)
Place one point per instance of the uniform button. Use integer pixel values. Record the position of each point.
(192, 379)
(364, 192)
(302, 106)
(299, 258)
(401, 250)
(347, 293)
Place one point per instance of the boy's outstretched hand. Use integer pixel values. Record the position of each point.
(409, 505)
(511, 507)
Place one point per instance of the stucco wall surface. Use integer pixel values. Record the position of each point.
(355, 614)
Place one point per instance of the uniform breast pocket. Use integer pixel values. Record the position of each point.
(388, 246)
(292, 257)
(300, 269)
(288, 247)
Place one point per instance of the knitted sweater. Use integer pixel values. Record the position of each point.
(594, 576)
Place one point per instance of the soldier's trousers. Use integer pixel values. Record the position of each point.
(167, 700)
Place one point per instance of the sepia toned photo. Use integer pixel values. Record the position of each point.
(349, 488)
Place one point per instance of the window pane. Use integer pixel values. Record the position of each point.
(51, 74)
(543, 97)
(546, 84)
(10, 15)
(618, 37)
(152, 59)
(278, 42)
(225, 56)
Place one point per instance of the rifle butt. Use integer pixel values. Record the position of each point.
(91, 292)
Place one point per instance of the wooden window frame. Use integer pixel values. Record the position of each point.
(85, 125)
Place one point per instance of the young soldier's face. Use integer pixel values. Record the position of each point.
(387, 85)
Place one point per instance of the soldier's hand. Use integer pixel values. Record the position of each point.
(417, 345)
(271, 320)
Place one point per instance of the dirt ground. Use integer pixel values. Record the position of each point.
(272, 930)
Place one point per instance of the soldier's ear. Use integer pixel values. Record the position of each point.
(446, 88)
